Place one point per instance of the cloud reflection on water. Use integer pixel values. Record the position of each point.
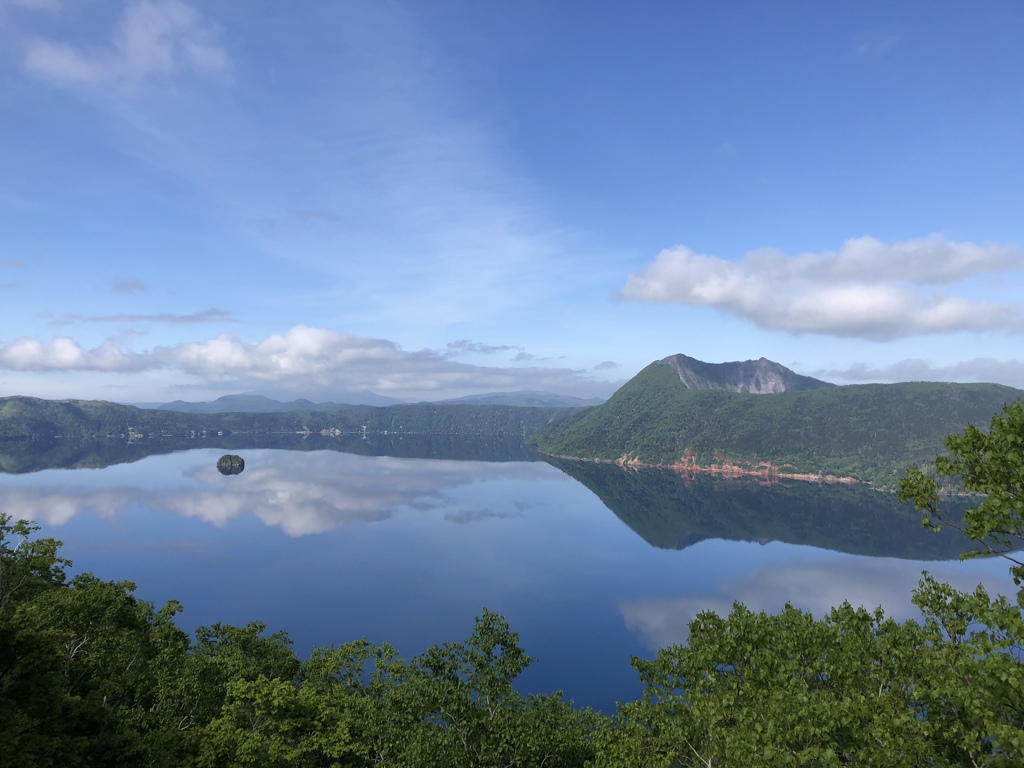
(815, 586)
(300, 492)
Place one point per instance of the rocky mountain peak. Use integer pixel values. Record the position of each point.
(759, 377)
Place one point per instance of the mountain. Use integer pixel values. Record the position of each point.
(758, 377)
(251, 404)
(870, 432)
(528, 398)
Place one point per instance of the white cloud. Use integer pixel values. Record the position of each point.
(980, 369)
(64, 354)
(465, 346)
(304, 359)
(811, 586)
(868, 289)
(155, 38)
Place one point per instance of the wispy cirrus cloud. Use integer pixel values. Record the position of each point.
(465, 346)
(876, 43)
(867, 289)
(128, 285)
(212, 315)
(303, 359)
(154, 39)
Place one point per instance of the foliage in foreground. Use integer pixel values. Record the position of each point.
(90, 675)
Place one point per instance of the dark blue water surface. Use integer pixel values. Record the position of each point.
(332, 546)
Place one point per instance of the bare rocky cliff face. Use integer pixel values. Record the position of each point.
(759, 377)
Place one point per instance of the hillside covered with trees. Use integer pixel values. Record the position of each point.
(29, 417)
(871, 432)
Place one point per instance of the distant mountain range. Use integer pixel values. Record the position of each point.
(249, 403)
(700, 417)
(744, 418)
(528, 398)
(30, 417)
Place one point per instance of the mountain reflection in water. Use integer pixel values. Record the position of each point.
(675, 511)
(666, 509)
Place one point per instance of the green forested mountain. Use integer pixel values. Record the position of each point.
(32, 417)
(871, 432)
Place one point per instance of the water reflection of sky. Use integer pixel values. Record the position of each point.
(409, 551)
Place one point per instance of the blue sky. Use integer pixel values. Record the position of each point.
(431, 199)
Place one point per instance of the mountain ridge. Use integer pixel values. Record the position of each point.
(756, 377)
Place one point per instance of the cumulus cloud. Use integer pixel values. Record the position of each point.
(155, 38)
(812, 586)
(64, 354)
(868, 289)
(304, 359)
(980, 369)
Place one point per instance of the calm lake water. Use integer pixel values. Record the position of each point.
(590, 563)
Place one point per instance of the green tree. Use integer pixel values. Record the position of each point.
(979, 639)
(987, 463)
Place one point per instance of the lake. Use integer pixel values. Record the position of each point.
(591, 563)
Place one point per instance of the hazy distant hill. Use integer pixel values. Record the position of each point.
(871, 431)
(261, 404)
(30, 417)
(251, 404)
(528, 398)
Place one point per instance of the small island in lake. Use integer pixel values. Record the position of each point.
(230, 464)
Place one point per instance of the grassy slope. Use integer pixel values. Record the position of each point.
(871, 431)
